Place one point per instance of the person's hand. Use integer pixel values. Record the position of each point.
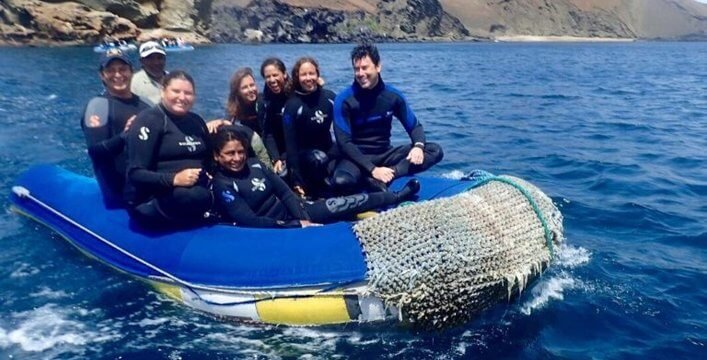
(416, 156)
(213, 125)
(128, 123)
(186, 177)
(307, 223)
(384, 174)
(278, 166)
(299, 191)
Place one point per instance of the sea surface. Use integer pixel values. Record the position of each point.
(616, 134)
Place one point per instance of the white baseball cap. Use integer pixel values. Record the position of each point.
(151, 47)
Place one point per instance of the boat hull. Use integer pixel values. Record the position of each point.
(310, 276)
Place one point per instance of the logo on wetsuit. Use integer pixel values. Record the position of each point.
(144, 133)
(319, 117)
(227, 196)
(258, 184)
(190, 143)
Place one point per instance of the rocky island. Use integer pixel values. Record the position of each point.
(58, 22)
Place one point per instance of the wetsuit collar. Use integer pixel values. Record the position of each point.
(235, 174)
(271, 96)
(169, 114)
(305, 94)
(372, 92)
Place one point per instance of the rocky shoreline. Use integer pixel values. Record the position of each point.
(88, 22)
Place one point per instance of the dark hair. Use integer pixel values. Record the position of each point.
(363, 50)
(177, 74)
(224, 134)
(234, 103)
(295, 69)
(276, 62)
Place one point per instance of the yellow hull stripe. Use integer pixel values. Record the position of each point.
(315, 310)
(171, 291)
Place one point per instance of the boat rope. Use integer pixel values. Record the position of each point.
(24, 193)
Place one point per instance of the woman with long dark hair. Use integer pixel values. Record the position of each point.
(276, 91)
(307, 120)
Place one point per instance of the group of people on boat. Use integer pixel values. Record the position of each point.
(270, 162)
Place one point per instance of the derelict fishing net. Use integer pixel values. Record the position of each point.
(443, 261)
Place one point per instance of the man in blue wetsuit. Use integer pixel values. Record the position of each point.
(363, 116)
(105, 123)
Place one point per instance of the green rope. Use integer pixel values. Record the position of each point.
(533, 204)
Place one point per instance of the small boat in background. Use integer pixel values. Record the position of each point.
(122, 45)
(178, 48)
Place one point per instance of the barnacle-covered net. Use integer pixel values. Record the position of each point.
(443, 261)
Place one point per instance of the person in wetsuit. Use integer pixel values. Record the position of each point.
(248, 194)
(363, 116)
(167, 154)
(276, 91)
(243, 104)
(106, 120)
(307, 119)
(245, 112)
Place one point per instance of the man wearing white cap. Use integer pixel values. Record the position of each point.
(147, 83)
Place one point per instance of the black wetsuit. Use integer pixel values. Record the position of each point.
(362, 126)
(274, 135)
(307, 120)
(160, 144)
(103, 122)
(252, 116)
(256, 197)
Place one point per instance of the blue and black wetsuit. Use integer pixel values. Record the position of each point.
(362, 126)
(311, 153)
(273, 131)
(103, 126)
(161, 144)
(256, 197)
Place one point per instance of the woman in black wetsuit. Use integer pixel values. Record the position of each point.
(276, 91)
(167, 153)
(250, 195)
(243, 105)
(307, 120)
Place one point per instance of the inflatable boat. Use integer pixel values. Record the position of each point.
(309, 276)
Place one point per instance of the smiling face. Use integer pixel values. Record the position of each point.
(308, 77)
(116, 77)
(178, 96)
(247, 89)
(366, 72)
(274, 79)
(232, 156)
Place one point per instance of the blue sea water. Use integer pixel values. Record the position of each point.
(616, 134)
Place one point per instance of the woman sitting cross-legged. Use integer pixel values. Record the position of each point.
(249, 194)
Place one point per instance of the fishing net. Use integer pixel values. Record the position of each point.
(441, 262)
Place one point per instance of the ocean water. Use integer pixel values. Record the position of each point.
(616, 134)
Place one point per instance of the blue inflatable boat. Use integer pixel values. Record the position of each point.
(309, 276)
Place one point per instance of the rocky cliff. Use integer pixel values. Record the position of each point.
(38, 22)
(642, 19)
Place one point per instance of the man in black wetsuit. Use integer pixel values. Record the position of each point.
(363, 116)
(105, 123)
